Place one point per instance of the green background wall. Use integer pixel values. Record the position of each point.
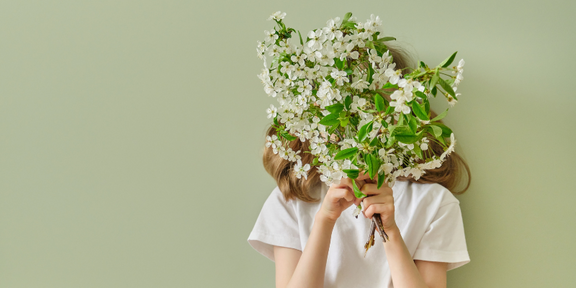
(131, 136)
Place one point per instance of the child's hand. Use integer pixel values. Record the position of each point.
(338, 198)
(378, 201)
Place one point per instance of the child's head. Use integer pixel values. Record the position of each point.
(449, 175)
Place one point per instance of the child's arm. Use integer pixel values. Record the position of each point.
(403, 269)
(305, 269)
(406, 272)
(295, 269)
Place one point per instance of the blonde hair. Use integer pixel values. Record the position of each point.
(449, 175)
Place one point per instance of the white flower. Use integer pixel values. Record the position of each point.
(424, 145)
(357, 211)
(394, 75)
(277, 16)
(373, 23)
(360, 85)
(458, 72)
(352, 54)
(300, 170)
(271, 111)
(430, 165)
(460, 66)
(450, 148)
(339, 76)
(451, 101)
(298, 57)
(401, 98)
(331, 29)
(409, 85)
(374, 58)
(357, 103)
(316, 39)
(271, 36)
(416, 173)
(261, 49)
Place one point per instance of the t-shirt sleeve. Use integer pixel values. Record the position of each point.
(444, 239)
(277, 225)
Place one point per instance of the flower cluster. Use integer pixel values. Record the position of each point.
(340, 90)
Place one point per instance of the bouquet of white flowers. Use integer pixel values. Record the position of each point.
(340, 90)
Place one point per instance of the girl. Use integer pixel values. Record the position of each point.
(308, 229)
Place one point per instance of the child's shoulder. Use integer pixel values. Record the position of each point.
(425, 193)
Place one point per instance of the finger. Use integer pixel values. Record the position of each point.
(379, 208)
(377, 199)
(363, 176)
(372, 189)
(342, 193)
(348, 183)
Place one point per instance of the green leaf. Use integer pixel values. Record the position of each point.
(402, 130)
(370, 74)
(330, 120)
(412, 123)
(448, 61)
(427, 107)
(389, 85)
(350, 25)
(441, 116)
(347, 16)
(352, 173)
(335, 108)
(287, 136)
(418, 151)
(334, 127)
(434, 91)
(436, 130)
(384, 123)
(299, 35)
(368, 160)
(420, 73)
(446, 87)
(419, 111)
(364, 131)
(405, 135)
(384, 39)
(445, 130)
(315, 161)
(344, 121)
(348, 71)
(407, 139)
(354, 121)
(434, 80)
(441, 140)
(380, 180)
(390, 141)
(357, 191)
(369, 44)
(389, 110)
(375, 166)
(339, 63)
(379, 101)
(346, 153)
(400, 120)
(374, 141)
(420, 94)
(348, 102)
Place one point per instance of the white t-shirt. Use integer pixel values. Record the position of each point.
(428, 217)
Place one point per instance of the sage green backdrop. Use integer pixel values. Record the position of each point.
(131, 137)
